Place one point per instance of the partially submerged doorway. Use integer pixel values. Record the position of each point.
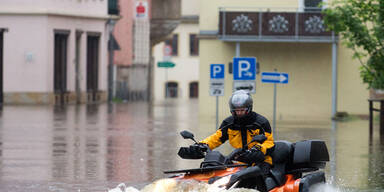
(60, 66)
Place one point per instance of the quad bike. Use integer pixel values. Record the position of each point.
(295, 167)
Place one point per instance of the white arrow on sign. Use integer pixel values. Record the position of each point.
(274, 77)
(280, 78)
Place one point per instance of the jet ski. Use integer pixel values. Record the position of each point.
(297, 167)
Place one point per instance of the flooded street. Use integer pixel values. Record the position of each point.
(96, 147)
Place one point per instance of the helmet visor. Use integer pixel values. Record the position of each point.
(240, 111)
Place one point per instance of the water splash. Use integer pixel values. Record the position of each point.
(326, 187)
(172, 185)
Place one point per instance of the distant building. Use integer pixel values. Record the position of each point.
(286, 35)
(132, 32)
(182, 49)
(54, 51)
(143, 24)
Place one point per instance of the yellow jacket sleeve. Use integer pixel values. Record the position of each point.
(268, 144)
(214, 140)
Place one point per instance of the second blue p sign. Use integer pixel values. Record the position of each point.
(244, 68)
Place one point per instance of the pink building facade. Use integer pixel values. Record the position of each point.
(132, 32)
(53, 51)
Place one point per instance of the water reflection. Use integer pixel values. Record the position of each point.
(95, 147)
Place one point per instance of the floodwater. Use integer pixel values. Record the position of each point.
(97, 147)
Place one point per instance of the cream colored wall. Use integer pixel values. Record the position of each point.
(187, 66)
(308, 95)
(189, 7)
(352, 93)
(186, 69)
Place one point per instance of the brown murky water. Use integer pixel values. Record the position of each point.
(96, 147)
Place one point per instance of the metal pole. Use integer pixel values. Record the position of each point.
(217, 112)
(381, 120)
(114, 71)
(166, 83)
(110, 76)
(370, 120)
(111, 24)
(274, 110)
(237, 49)
(334, 78)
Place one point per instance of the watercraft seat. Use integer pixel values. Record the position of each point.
(281, 156)
(309, 155)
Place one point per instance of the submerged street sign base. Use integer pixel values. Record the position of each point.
(166, 64)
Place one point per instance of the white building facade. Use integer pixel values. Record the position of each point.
(53, 51)
(181, 80)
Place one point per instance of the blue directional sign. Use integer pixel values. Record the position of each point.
(274, 77)
(244, 68)
(217, 71)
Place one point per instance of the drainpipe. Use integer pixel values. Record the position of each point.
(334, 78)
(111, 24)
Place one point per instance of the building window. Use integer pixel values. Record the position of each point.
(173, 42)
(171, 90)
(194, 89)
(312, 5)
(193, 45)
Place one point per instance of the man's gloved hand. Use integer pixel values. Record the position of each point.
(251, 156)
(195, 151)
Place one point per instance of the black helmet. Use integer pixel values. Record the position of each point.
(240, 99)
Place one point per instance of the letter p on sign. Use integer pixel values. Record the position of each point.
(244, 68)
(217, 71)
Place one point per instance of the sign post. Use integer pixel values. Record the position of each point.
(274, 77)
(217, 85)
(166, 63)
(244, 74)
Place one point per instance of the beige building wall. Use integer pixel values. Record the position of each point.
(307, 96)
(186, 70)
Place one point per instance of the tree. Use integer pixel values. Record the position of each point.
(360, 23)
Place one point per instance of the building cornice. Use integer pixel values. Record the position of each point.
(190, 19)
(208, 34)
(58, 14)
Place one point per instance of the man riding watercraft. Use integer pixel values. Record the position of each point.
(239, 129)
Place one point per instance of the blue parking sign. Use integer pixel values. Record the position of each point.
(217, 71)
(244, 68)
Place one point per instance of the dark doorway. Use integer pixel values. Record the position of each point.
(1, 65)
(77, 66)
(171, 90)
(92, 67)
(193, 90)
(60, 67)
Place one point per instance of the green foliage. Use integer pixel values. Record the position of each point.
(117, 100)
(361, 25)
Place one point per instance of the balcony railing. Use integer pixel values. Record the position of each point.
(279, 26)
(113, 7)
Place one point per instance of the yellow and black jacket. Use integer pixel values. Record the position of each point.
(236, 132)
